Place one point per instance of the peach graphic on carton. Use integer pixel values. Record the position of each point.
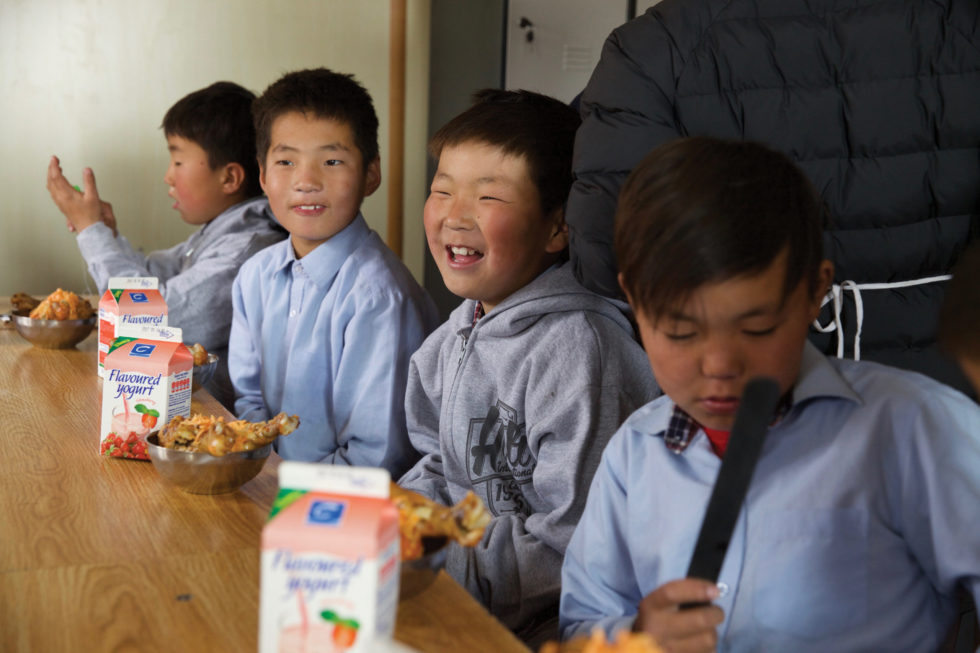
(147, 382)
(128, 302)
(330, 561)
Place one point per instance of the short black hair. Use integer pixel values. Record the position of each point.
(702, 210)
(521, 123)
(219, 119)
(323, 94)
(959, 316)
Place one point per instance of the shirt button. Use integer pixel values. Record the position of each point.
(722, 590)
(292, 313)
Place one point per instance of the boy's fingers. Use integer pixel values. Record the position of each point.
(88, 178)
(685, 590)
(56, 179)
(660, 615)
(701, 643)
(687, 624)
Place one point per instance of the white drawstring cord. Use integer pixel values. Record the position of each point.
(836, 296)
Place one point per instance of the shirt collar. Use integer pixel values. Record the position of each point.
(478, 312)
(322, 264)
(817, 378)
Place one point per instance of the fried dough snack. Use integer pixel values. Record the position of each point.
(215, 436)
(625, 642)
(23, 302)
(200, 353)
(62, 305)
(419, 517)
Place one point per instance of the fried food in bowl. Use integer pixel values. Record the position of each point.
(23, 303)
(421, 519)
(426, 528)
(206, 455)
(215, 436)
(62, 305)
(623, 642)
(60, 321)
(204, 364)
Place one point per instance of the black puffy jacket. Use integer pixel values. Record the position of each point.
(877, 101)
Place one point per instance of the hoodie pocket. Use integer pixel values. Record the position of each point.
(812, 578)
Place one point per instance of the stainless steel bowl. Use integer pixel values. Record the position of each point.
(50, 334)
(202, 473)
(418, 574)
(203, 373)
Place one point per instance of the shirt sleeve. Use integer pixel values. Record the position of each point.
(627, 110)
(516, 567)
(599, 586)
(110, 256)
(368, 398)
(939, 490)
(198, 296)
(244, 362)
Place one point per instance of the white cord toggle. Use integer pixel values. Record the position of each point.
(836, 296)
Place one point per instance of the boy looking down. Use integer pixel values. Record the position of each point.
(859, 525)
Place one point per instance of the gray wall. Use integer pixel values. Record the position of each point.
(467, 45)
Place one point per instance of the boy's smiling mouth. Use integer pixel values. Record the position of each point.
(309, 209)
(463, 255)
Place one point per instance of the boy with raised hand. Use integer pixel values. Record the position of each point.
(516, 394)
(214, 182)
(325, 322)
(859, 524)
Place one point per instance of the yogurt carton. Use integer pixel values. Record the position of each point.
(330, 561)
(128, 301)
(147, 382)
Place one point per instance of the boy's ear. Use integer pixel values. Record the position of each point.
(232, 178)
(825, 276)
(262, 174)
(619, 280)
(558, 239)
(372, 176)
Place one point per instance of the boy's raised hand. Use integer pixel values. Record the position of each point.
(81, 209)
(679, 630)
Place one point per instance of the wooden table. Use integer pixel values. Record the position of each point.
(99, 554)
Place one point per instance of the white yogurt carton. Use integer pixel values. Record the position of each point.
(147, 382)
(330, 561)
(128, 302)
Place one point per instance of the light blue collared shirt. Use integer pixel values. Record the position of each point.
(328, 337)
(860, 523)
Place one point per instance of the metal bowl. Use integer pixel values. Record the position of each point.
(418, 574)
(203, 373)
(202, 473)
(51, 334)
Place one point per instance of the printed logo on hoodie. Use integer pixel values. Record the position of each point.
(499, 461)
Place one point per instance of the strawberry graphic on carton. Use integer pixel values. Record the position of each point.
(147, 382)
(128, 302)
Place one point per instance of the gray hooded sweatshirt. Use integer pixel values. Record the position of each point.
(518, 408)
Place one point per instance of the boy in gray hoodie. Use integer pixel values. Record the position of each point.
(516, 395)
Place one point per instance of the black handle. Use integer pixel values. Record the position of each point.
(755, 412)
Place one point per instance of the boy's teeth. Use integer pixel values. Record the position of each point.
(309, 207)
(463, 251)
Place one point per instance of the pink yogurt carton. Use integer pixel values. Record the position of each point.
(128, 301)
(330, 561)
(147, 381)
